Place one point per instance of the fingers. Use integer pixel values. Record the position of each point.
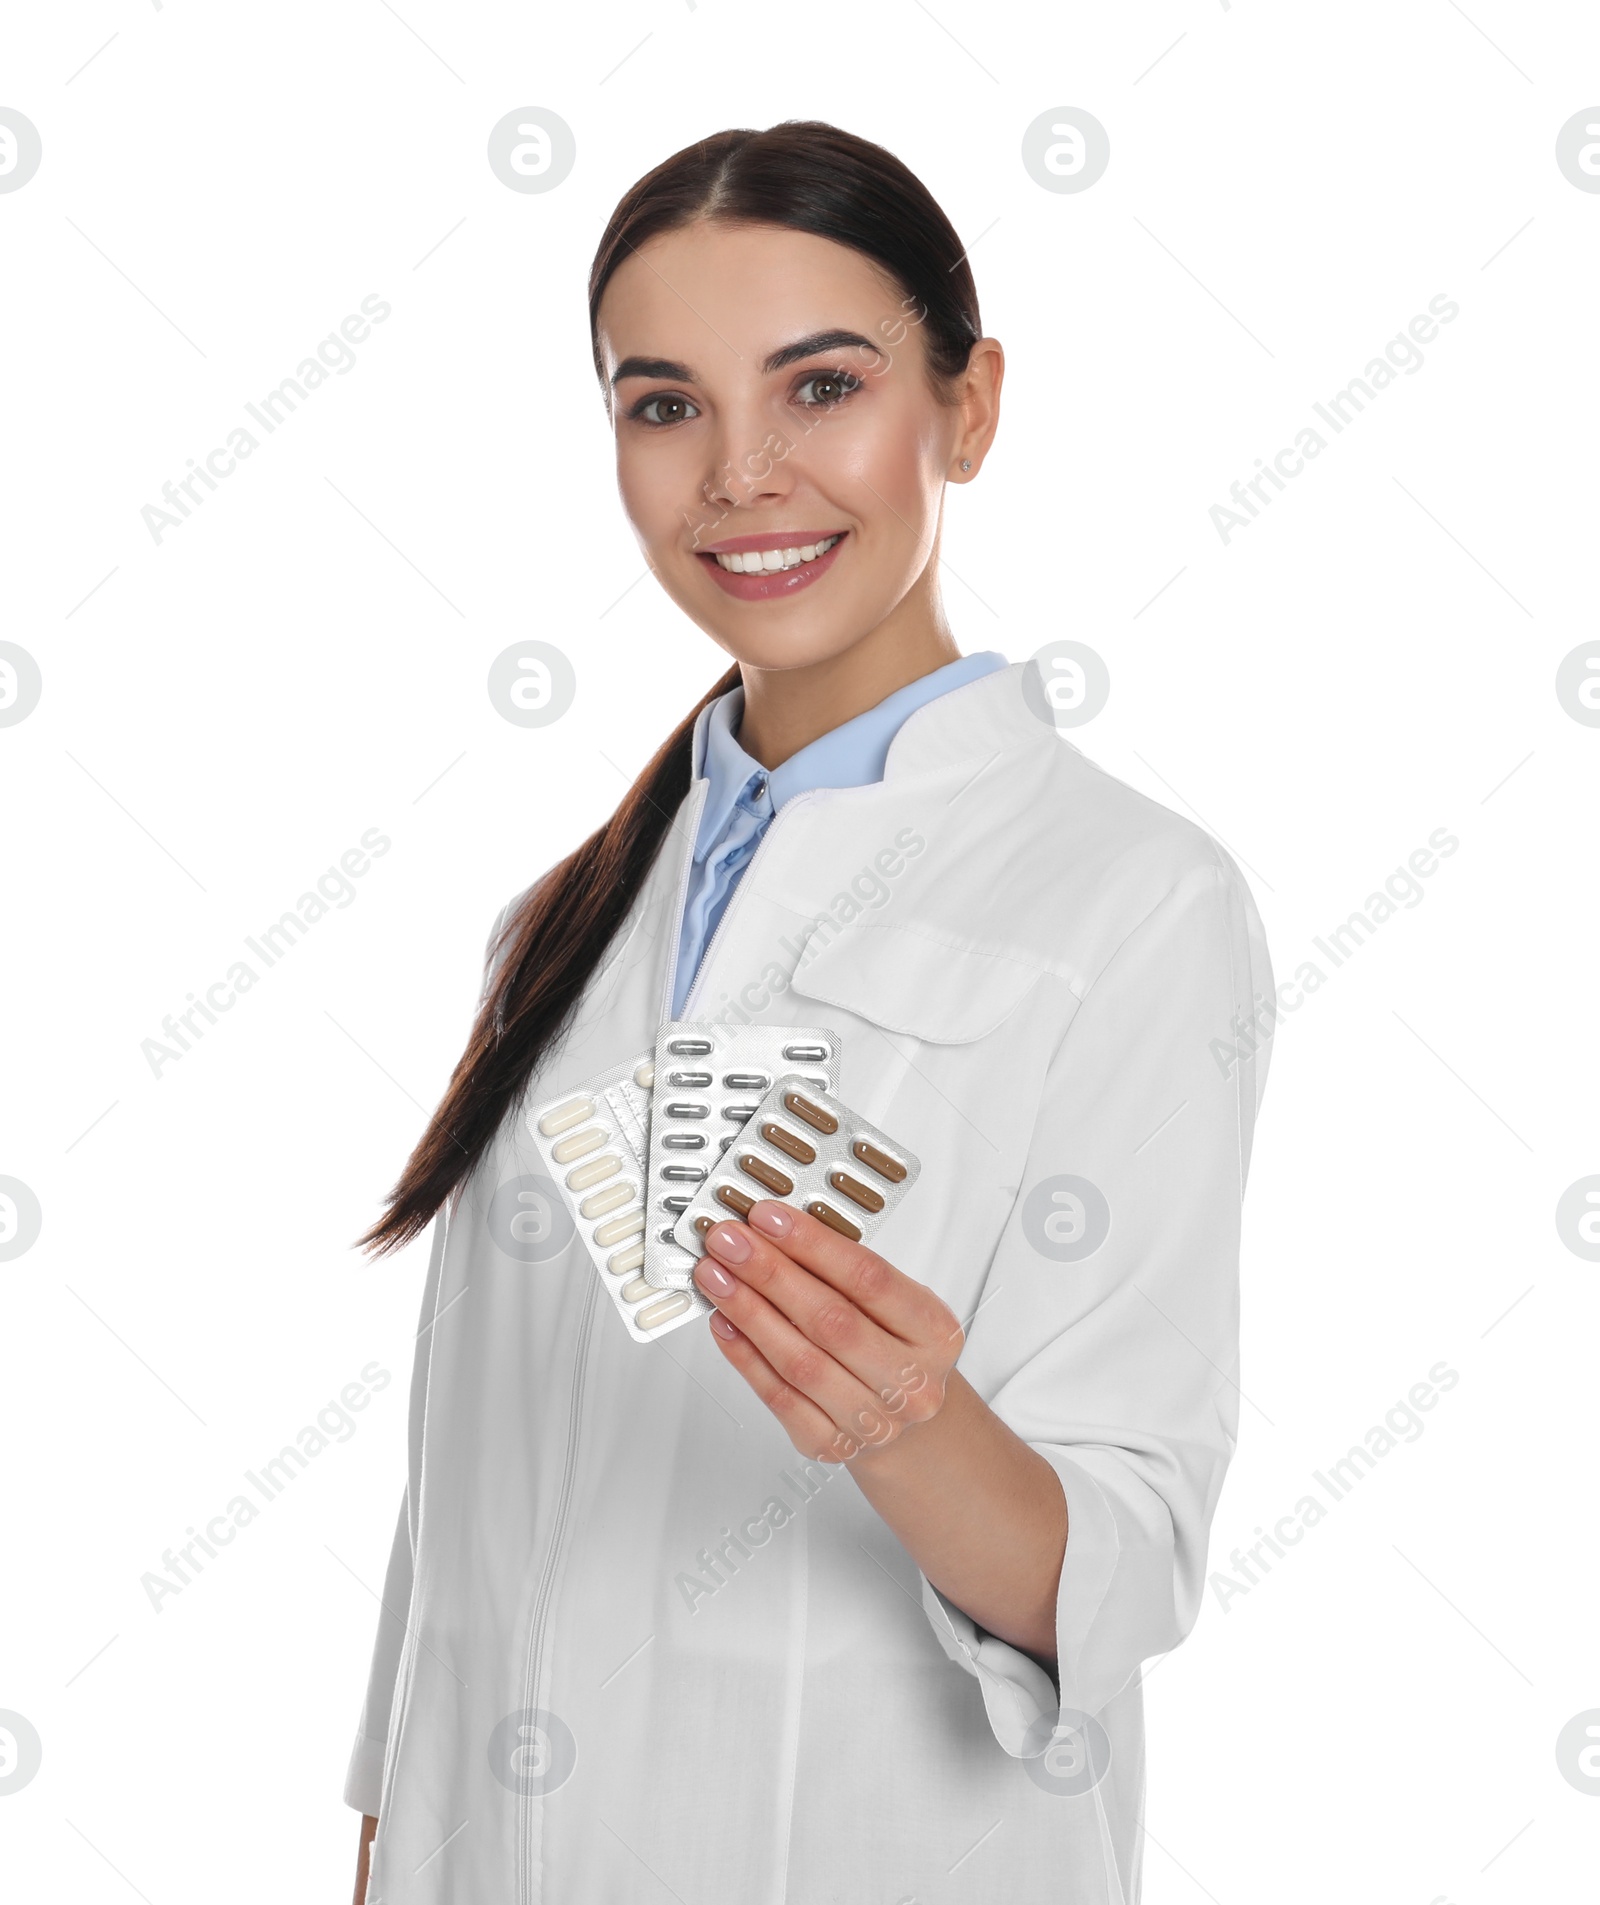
(825, 1351)
(817, 1310)
(870, 1382)
(897, 1303)
(811, 1429)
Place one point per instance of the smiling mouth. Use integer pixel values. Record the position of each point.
(780, 570)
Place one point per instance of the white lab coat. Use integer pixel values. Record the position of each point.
(1036, 972)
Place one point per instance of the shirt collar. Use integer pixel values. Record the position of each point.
(850, 755)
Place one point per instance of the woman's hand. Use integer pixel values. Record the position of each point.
(857, 1361)
(845, 1350)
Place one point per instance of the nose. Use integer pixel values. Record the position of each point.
(752, 461)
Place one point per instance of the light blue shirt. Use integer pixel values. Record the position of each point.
(743, 797)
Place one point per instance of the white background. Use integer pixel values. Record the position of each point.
(226, 712)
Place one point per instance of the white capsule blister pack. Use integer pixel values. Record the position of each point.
(710, 1078)
(807, 1148)
(595, 1142)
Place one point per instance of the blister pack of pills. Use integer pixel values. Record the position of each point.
(807, 1148)
(595, 1142)
(710, 1079)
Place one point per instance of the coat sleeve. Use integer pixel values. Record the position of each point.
(1108, 1334)
(363, 1785)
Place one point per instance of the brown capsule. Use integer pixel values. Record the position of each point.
(768, 1174)
(879, 1161)
(703, 1223)
(813, 1115)
(835, 1220)
(735, 1199)
(786, 1142)
(856, 1191)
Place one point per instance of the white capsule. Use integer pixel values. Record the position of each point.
(599, 1202)
(596, 1171)
(564, 1117)
(621, 1261)
(579, 1145)
(654, 1314)
(615, 1229)
(637, 1291)
(645, 1075)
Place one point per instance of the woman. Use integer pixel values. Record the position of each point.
(844, 1595)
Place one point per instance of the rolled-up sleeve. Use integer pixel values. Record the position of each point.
(1108, 1334)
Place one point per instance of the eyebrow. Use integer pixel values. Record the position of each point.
(803, 347)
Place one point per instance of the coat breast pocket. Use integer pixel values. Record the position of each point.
(944, 1046)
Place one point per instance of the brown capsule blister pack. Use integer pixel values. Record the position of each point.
(804, 1147)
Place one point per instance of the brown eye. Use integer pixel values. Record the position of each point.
(829, 388)
(676, 409)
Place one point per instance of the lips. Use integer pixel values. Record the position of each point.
(767, 585)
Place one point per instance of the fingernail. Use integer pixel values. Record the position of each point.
(722, 1326)
(777, 1220)
(714, 1280)
(729, 1242)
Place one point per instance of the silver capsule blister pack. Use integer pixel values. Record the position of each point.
(595, 1142)
(710, 1077)
(804, 1147)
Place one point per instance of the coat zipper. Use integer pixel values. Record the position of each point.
(541, 1605)
(537, 1626)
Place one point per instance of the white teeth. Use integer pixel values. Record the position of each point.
(767, 561)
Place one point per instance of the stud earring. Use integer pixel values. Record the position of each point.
(966, 463)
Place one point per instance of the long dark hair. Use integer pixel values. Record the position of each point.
(811, 177)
